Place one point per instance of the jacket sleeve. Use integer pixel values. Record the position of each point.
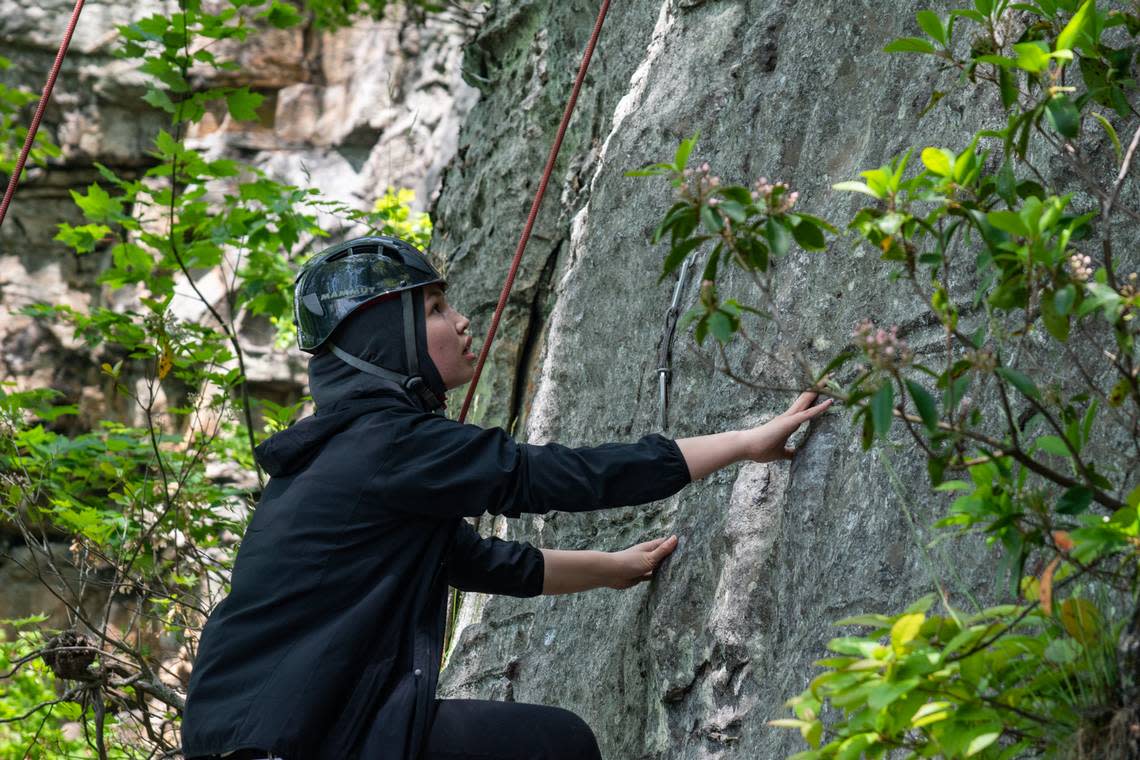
(441, 468)
(492, 565)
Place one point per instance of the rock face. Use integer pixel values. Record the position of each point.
(693, 664)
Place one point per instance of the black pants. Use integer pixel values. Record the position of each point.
(476, 729)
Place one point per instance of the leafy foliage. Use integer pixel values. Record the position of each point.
(13, 131)
(1040, 451)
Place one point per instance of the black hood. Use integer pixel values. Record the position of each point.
(374, 333)
(287, 451)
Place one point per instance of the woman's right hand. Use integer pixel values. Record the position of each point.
(638, 563)
(768, 442)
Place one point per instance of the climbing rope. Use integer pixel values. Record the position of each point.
(35, 126)
(453, 606)
(525, 237)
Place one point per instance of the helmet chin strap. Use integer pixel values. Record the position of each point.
(413, 382)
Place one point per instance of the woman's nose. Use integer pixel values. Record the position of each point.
(462, 324)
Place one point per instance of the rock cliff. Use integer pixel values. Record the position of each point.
(693, 664)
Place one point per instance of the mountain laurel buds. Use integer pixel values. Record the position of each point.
(1081, 267)
(775, 196)
(883, 348)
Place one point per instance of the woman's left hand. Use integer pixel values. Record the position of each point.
(637, 563)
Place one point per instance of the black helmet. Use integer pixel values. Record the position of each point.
(341, 279)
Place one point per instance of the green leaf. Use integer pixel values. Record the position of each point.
(981, 741)
(243, 104)
(159, 99)
(1075, 500)
(98, 205)
(1063, 116)
(83, 238)
(1007, 83)
(678, 213)
(653, 170)
(684, 150)
(1007, 183)
(910, 45)
(281, 15)
(1052, 444)
(1057, 324)
(1020, 381)
(932, 25)
(905, 630)
(1032, 56)
(954, 485)
(1061, 651)
(1067, 39)
(735, 211)
(939, 161)
(711, 220)
(701, 330)
(1008, 221)
(1064, 299)
(1111, 132)
(884, 694)
(874, 620)
(882, 409)
(926, 405)
(721, 326)
(678, 253)
(931, 712)
(809, 236)
(851, 186)
(778, 236)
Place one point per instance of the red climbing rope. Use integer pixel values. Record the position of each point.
(35, 127)
(486, 349)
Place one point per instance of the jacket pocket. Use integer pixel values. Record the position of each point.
(356, 714)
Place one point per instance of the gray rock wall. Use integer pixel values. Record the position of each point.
(693, 664)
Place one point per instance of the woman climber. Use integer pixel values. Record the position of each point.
(328, 645)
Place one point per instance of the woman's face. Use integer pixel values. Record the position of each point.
(448, 344)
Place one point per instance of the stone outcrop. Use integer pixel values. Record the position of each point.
(693, 664)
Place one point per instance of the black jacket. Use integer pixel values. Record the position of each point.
(328, 646)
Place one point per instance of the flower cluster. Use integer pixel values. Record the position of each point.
(698, 183)
(884, 348)
(1081, 267)
(1130, 289)
(981, 359)
(775, 195)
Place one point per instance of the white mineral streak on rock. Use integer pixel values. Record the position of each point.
(540, 424)
(751, 527)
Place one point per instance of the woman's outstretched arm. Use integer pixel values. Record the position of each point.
(708, 453)
(567, 572)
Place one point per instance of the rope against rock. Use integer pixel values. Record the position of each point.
(525, 237)
(35, 126)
